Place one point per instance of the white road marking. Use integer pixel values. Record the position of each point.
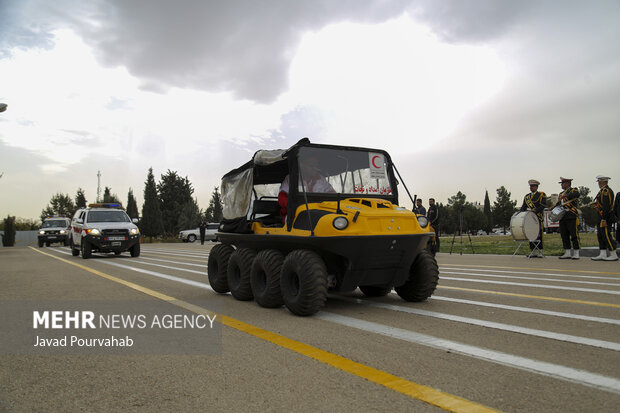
(552, 287)
(608, 277)
(514, 277)
(528, 310)
(548, 369)
(608, 345)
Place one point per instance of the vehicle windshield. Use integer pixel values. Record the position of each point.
(354, 172)
(107, 216)
(55, 223)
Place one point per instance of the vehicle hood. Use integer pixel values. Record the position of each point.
(111, 225)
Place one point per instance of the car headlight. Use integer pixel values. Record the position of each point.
(41, 232)
(62, 231)
(340, 223)
(93, 231)
(423, 221)
(134, 231)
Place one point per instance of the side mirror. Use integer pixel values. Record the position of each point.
(134, 220)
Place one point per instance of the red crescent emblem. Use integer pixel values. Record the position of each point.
(373, 161)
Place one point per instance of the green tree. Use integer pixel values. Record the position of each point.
(589, 214)
(215, 208)
(174, 192)
(109, 197)
(487, 213)
(151, 223)
(60, 204)
(503, 208)
(8, 239)
(132, 205)
(190, 215)
(80, 199)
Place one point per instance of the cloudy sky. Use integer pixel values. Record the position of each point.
(466, 95)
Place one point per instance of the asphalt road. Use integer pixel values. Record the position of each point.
(505, 333)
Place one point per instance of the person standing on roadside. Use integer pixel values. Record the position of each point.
(569, 199)
(433, 219)
(536, 201)
(617, 214)
(203, 228)
(604, 203)
(419, 208)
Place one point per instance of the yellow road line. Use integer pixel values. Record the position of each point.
(528, 268)
(538, 297)
(426, 394)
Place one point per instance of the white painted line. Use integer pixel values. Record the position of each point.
(552, 287)
(174, 262)
(553, 370)
(531, 278)
(582, 377)
(528, 310)
(608, 345)
(609, 277)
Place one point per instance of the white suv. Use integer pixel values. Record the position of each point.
(104, 228)
(54, 229)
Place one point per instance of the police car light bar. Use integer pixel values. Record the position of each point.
(104, 205)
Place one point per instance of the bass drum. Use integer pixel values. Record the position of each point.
(524, 226)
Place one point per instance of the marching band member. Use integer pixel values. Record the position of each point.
(604, 203)
(569, 199)
(535, 201)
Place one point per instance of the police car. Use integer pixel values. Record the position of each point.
(54, 229)
(104, 227)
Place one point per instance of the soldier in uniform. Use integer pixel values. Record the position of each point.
(604, 205)
(433, 219)
(536, 202)
(569, 198)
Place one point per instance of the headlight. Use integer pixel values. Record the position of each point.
(134, 231)
(423, 221)
(93, 231)
(41, 232)
(340, 223)
(62, 231)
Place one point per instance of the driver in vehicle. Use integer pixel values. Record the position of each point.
(313, 181)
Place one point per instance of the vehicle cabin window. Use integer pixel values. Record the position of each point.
(351, 172)
(107, 216)
(50, 223)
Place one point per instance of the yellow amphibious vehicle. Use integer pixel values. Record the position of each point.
(338, 229)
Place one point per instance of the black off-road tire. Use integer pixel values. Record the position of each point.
(217, 267)
(375, 291)
(135, 250)
(238, 273)
(265, 278)
(303, 282)
(74, 251)
(423, 278)
(86, 249)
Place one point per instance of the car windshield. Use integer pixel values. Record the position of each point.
(107, 216)
(54, 223)
(355, 172)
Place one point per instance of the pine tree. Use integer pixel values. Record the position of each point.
(487, 213)
(151, 224)
(8, 239)
(80, 199)
(132, 205)
(109, 197)
(503, 208)
(215, 208)
(174, 192)
(60, 204)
